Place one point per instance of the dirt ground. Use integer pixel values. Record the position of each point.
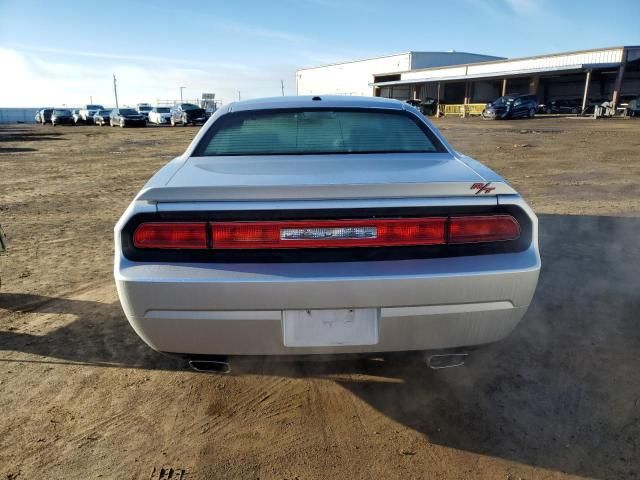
(82, 397)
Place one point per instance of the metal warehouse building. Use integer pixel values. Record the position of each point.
(597, 75)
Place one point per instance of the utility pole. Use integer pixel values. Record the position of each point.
(238, 95)
(282, 86)
(91, 99)
(115, 90)
(181, 88)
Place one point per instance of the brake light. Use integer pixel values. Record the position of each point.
(479, 229)
(171, 235)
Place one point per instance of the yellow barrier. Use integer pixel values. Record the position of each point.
(462, 110)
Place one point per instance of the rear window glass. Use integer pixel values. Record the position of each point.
(316, 132)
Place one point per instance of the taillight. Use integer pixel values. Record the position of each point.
(171, 235)
(479, 229)
(297, 234)
(329, 233)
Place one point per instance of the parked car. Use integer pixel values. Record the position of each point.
(633, 107)
(89, 111)
(160, 115)
(44, 115)
(77, 119)
(511, 106)
(61, 117)
(427, 106)
(187, 113)
(565, 105)
(126, 117)
(324, 225)
(144, 109)
(102, 117)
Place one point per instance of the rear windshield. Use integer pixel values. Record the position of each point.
(302, 132)
(162, 110)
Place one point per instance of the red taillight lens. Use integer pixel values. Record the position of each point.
(171, 235)
(478, 229)
(327, 234)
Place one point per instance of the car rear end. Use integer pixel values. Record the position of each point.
(322, 252)
(196, 116)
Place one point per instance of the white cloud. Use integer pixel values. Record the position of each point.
(36, 80)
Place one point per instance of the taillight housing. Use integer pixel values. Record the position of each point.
(171, 235)
(300, 234)
(480, 229)
(329, 233)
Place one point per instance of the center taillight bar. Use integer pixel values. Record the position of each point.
(297, 234)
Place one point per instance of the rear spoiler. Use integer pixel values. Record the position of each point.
(324, 192)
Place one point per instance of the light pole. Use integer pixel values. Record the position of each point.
(115, 90)
(181, 88)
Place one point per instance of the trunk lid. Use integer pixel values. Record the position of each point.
(320, 177)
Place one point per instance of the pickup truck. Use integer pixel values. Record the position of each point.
(87, 113)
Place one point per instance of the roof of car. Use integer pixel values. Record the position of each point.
(324, 101)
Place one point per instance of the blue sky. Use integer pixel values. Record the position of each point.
(63, 52)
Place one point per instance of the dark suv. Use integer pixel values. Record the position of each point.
(187, 113)
(511, 106)
(564, 105)
(126, 117)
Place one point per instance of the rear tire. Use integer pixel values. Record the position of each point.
(173, 122)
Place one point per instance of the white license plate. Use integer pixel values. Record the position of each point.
(330, 328)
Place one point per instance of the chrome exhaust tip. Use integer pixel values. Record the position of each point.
(446, 360)
(210, 366)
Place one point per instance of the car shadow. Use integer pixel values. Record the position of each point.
(99, 336)
(562, 392)
(21, 134)
(17, 149)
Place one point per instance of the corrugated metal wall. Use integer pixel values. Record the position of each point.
(17, 115)
(348, 78)
(613, 55)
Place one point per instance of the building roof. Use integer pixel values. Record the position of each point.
(410, 52)
(564, 61)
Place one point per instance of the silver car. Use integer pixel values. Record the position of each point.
(324, 225)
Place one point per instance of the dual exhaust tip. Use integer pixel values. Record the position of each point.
(433, 361)
(210, 366)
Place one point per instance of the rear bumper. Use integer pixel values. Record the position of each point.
(231, 309)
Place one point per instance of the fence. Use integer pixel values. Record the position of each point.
(18, 115)
(462, 110)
